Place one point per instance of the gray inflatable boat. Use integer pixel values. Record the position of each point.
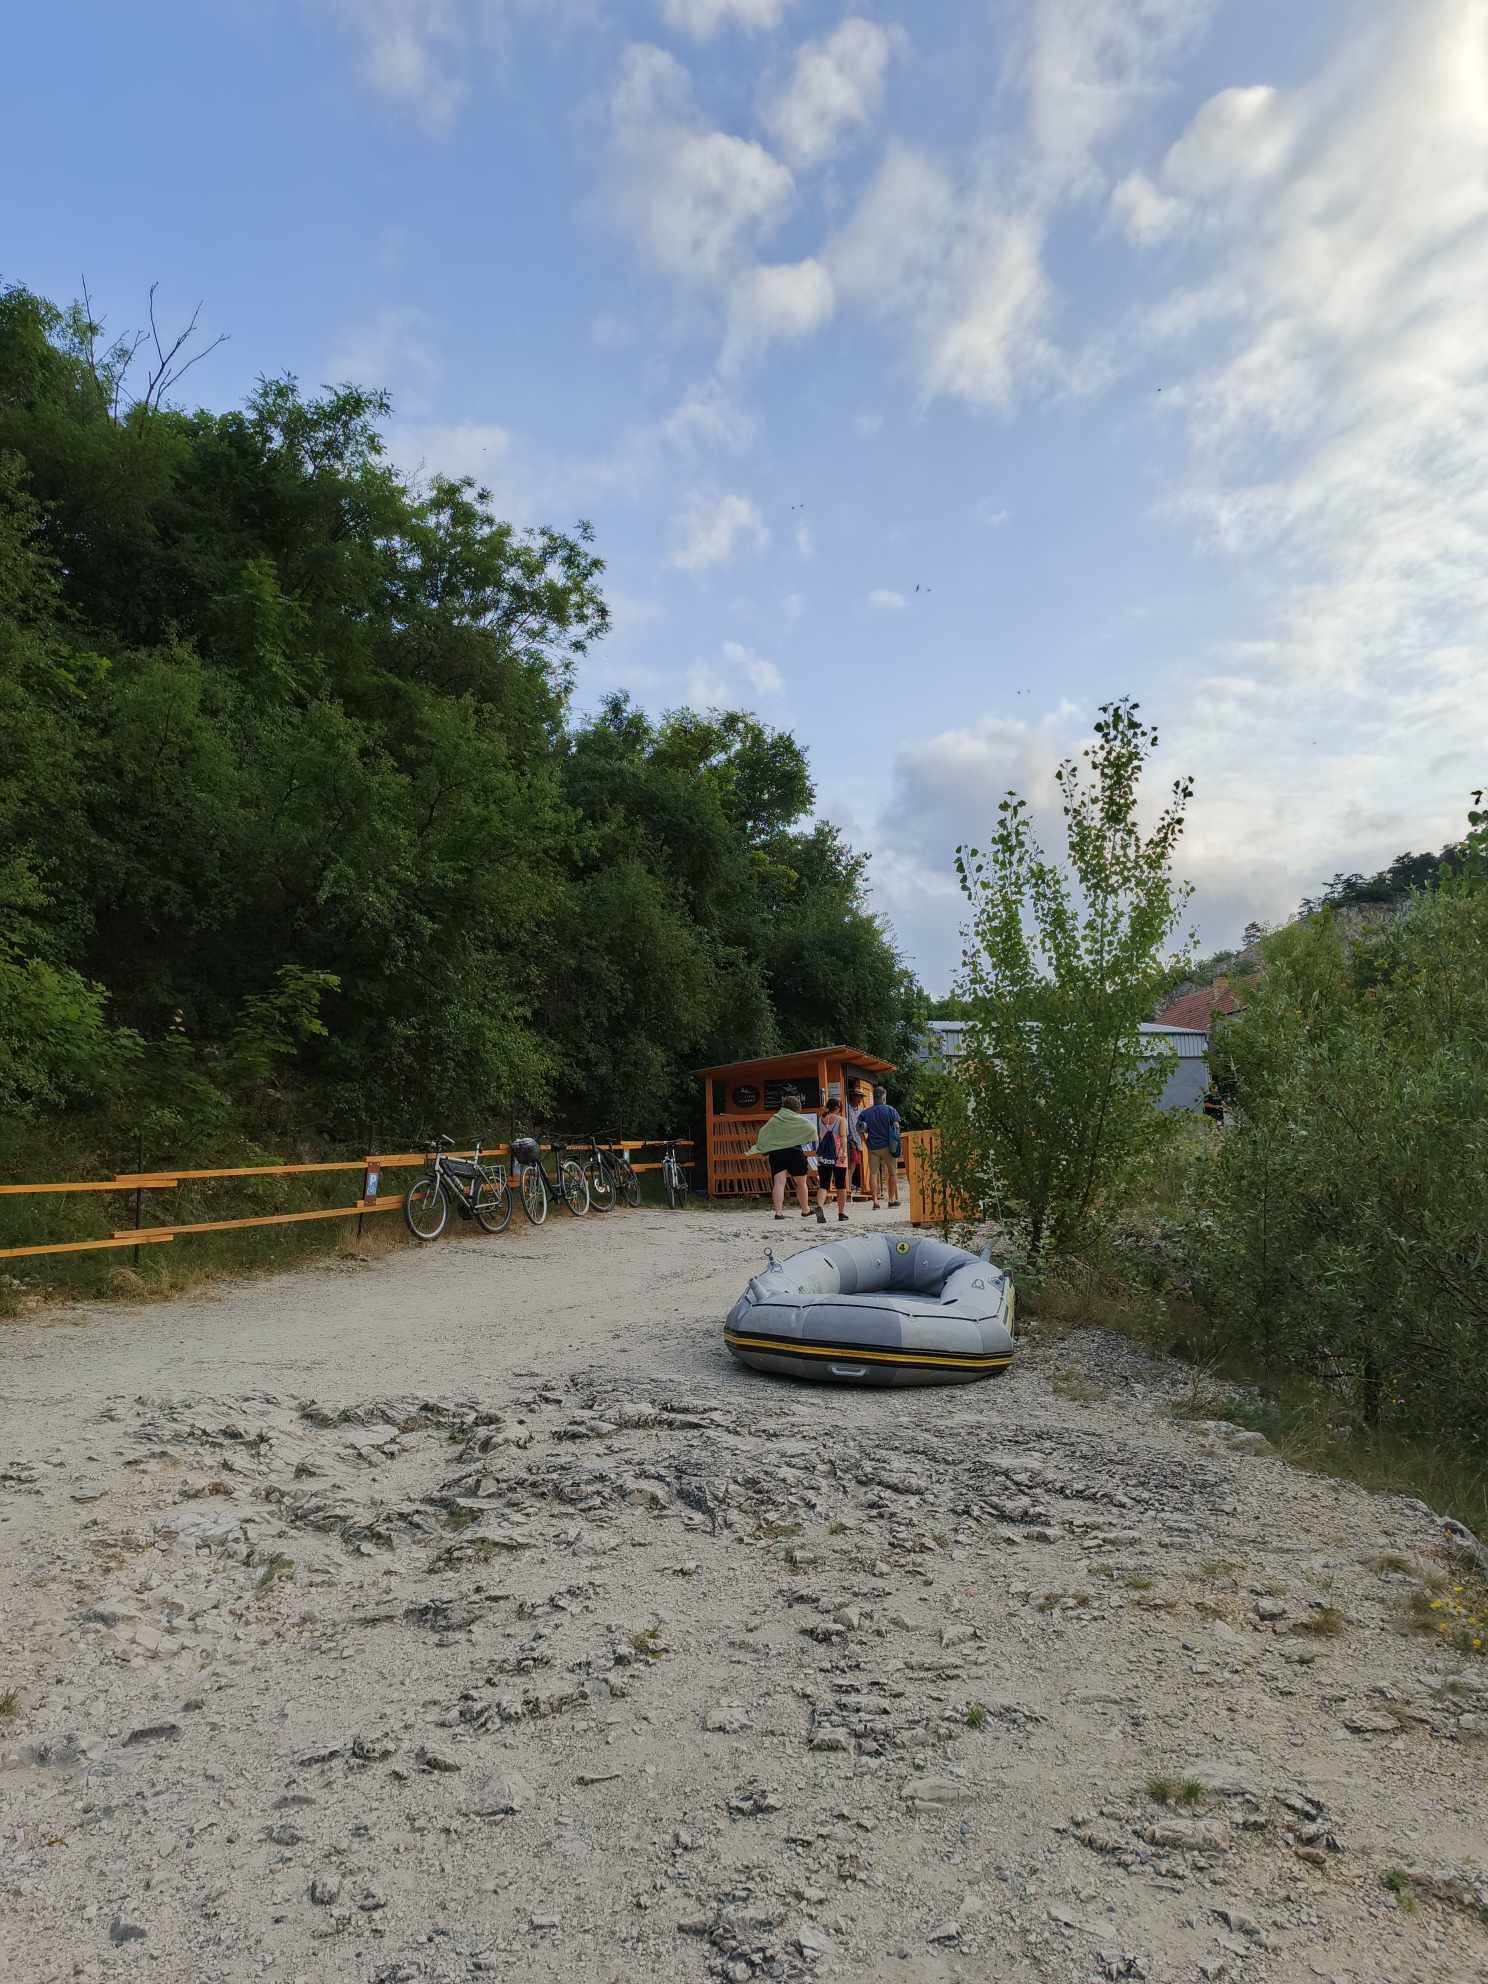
(877, 1310)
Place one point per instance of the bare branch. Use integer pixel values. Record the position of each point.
(167, 373)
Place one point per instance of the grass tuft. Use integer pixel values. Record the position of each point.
(10, 1704)
(1323, 1622)
(277, 1570)
(1400, 1885)
(976, 1715)
(1174, 1791)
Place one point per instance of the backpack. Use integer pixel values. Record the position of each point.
(894, 1142)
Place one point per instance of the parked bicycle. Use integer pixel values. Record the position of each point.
(480, 1191)
(568, 1185)
(610, 1175)
(673, 1176)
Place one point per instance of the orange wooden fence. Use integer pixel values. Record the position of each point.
(928, 1201)
(164, 1179)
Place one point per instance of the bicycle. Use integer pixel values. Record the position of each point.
(673, 1176)
(610, 1176)
(537, 1188)
(479, 1191)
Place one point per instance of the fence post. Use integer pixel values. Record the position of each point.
(139, 1199)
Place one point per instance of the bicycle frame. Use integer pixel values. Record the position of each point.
(557, 1193)
(604, 1159)
(456, 1186)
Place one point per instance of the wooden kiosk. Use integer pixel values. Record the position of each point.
(739, 1096)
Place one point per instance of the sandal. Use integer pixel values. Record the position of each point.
(842, 1215)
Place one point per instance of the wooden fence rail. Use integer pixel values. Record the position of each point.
(164, 1179)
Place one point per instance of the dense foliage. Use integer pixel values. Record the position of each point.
(300, 839)
(1343, 1231)
(1404, 876)
(1054, 1099)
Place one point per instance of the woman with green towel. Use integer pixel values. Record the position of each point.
(783, 1138)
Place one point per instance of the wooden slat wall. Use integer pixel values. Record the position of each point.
(733, 1173)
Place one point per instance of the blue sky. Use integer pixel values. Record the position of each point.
(1145, 337)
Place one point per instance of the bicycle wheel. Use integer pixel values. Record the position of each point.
(630, 1184)
(534, 1195)
(601, 1185)
(676, 1185)
(493, 1202)
(575, 1190)
(426, 1209)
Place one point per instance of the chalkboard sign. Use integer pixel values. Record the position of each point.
(745, 1097)
(806, 1089)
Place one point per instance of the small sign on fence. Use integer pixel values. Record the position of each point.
(369, 1184)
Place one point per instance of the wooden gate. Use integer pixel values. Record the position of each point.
(928, 1204)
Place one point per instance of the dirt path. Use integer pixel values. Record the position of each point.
(471, 1614)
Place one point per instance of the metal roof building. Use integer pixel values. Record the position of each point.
(1186, 1085)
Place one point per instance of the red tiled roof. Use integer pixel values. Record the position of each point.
(1195, 1009)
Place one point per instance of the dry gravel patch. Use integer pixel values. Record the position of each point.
(473, 1615)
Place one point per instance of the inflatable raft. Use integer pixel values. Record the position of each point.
(877, 1310)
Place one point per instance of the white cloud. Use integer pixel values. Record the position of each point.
(805, 541)
(943, 792)
(885, 600)
(963, 273)
(709, 530)
(867, 425)
(835, 88)
(1239, 140)
(702, 19)
(735, 676)
(762, 675)
(419, 52)
(696, 200)
(1091, 66)
(395, 350)
(1241, 136)
(706, 687)
(990, 515)
(464, 447)
(775, 301)
(793, 605)
(706, 417)
(413, 52)
(1144, 211)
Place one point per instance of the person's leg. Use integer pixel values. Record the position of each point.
(892, 1170)
(842, 1191)
(873, 1175)
(777, 1193)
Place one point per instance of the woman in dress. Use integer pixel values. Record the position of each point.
(832, 1156)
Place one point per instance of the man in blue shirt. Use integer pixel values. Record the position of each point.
(879, 1126)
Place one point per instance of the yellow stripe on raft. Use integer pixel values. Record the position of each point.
(849, 1354)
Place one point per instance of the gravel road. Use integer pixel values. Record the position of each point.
(467, 1612)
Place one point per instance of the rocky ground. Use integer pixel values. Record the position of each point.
(471, 1614)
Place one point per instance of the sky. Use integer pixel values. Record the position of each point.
(931, 375)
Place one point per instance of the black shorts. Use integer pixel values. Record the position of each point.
(792, 1162)
(832, 1177)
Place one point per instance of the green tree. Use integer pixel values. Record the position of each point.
(299, 839)
(1056, 1093)
(1342, 1233)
